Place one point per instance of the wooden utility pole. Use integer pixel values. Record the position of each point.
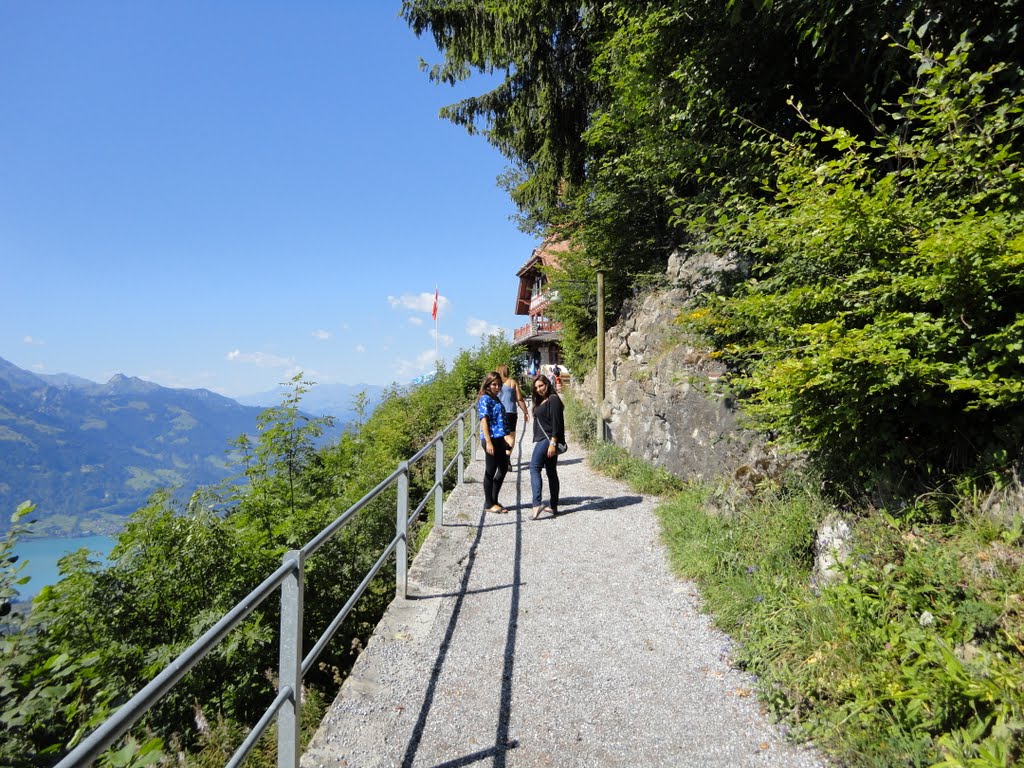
(600, 357)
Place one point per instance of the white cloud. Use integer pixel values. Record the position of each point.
(477, 328)
(414, 320)
(38, 367)
(441, 338)
(321, 335)
(360, 348)
(425, 362)
(261, 359)
(167, 378)
(419, 302)
(33, 341)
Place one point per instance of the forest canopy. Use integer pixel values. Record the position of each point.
(862, 160)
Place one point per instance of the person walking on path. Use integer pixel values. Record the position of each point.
(510, 395)
(548, 432)
(491, 413)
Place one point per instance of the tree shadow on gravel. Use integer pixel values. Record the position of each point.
(461, 593)
(490, 520)
(502, 742)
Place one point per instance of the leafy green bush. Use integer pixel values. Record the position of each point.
(580, 420)
(883, 330)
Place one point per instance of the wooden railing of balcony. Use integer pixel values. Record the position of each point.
(533, 328)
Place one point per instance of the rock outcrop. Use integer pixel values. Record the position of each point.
(665, 401)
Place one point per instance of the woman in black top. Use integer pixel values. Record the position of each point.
(548, 431)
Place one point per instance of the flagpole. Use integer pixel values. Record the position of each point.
(437, 345)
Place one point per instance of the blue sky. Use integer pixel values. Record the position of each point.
(221, 194)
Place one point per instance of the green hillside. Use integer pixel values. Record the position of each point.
(90, 454)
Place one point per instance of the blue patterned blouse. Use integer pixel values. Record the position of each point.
(494, 411)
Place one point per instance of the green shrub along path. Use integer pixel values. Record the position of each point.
(98, 635)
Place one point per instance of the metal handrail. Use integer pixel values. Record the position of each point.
(290, 577)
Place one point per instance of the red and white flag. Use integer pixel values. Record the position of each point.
(433, 312)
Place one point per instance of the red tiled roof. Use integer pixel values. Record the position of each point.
(546, 254)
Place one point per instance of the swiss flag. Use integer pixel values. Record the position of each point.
(433, 312)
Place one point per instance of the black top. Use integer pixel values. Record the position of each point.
(549, 416)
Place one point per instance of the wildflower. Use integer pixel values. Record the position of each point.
(759, 599)
(752, 569)
(926, 619)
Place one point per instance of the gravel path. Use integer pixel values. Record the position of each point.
(553, 642)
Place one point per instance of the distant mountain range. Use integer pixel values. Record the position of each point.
(337, 400)
(88, 454)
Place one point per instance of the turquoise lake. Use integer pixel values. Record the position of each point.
(41, 556)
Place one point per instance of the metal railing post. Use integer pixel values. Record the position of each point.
(439, 479)
(289, 723)
(461, 451)
(402, 532)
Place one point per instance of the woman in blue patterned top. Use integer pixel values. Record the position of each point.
(491, 413)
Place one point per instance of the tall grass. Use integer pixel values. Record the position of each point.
(914, 656)
(580, 420)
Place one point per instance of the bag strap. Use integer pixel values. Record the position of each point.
(537, 422)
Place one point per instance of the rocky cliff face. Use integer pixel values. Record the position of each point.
(663, 400)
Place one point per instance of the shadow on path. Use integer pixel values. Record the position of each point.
(435, 674)
(502, 742)
(603, 503)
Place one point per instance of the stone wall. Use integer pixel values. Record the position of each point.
(663, 400)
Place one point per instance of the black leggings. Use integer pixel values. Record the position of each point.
(495, 467)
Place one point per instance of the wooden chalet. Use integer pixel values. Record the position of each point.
(540, 336)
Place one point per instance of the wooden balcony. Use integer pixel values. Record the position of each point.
(535, 328)
(541, 300)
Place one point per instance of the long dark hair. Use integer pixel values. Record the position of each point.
(538, 398)
(492, 376)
